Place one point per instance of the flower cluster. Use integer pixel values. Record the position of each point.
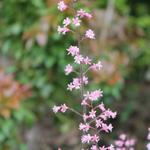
(125, 143)
(95, 116)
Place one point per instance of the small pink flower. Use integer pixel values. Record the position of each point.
(76, 83)
(123, 137)
(56, 109)
(84, 103)
(85, 80)
(78, 59)
(70, 87)
(73, 50)
(87, 60)
(63, 108)
(95, 138)
(85, 117)
(94, 147)
(66, 22)
(86, 138)
(62, 30)
(76, 21)
(148, 146)
(92, 114)
(90, 34)
(62, 6)
(97, 66)
(84, 127)
(94, 95)
(68, 69)
(101, 107)
(82, 13)
(119, 143)
(98, 123)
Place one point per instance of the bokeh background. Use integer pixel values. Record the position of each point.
(32, 80)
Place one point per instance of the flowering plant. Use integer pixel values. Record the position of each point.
(94, 115)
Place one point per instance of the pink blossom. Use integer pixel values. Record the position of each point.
(84, 102)
(95, 138)
(98, 123)
(85, 117)
(76, 83)
(92, 114)
(90, 34)
(106, 127)
(63, 108)
(101, 107)
(84, 127)
(56, 109)
(86, 138)
(85, 80)
(66, 22)
(62, 6)
(70, 87)
(94, 147)
(97, 66)
(76, 21)
(148, 146)
(123, 137)
(110, 114)
(68, 69)
(94, 95)
(87, 60)
(82, 13)
(62, 30)
(73, 50)
(78, 59)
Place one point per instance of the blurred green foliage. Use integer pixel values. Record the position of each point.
(37, 56)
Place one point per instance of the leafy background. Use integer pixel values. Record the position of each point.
(33, 54)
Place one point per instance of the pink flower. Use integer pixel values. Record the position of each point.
(92, 114)
(123, 137)
(86, 138)
(106, 127)
(62, 6)
(97, 66)
(95, 138)
(98, 123)
(62, 30)
(76, 21)
(148, 146)
(66, 22)
(70, 87)
(94, 95)
(110, 114)
(85, 80)
(73, 50)
(85, 117)
(94, 147)
(78, 59)
(68, 69)
(56, 109)
(90, 34)
(63, 108)
(76, 83)
(101, 107)
(84, 102)
(82, 13)
(87, 60)
(84, 127)
(119, 143)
